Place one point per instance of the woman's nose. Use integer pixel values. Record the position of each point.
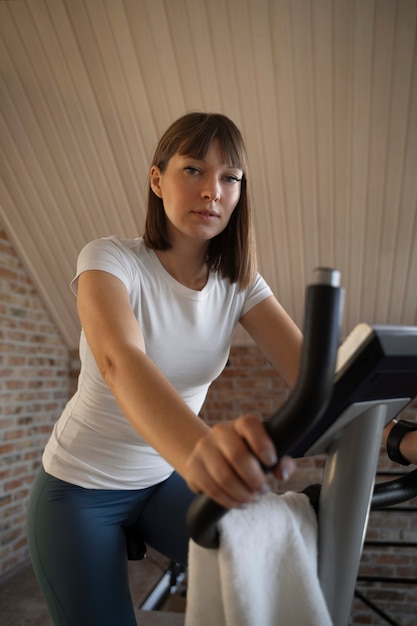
(211, 191)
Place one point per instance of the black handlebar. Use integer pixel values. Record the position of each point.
(393, 492)
(307, 402)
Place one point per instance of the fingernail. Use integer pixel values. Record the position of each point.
(264, 489)
(287, 469)
(285, 473)
(262, 492)
(269, 458)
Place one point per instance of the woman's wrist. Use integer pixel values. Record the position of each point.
(408, 446)
(401, 442)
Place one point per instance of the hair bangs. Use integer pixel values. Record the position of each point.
(215, 127)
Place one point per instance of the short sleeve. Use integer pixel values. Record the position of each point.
(258, 291)
(106, 254)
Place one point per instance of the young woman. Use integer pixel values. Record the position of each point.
(157, 315)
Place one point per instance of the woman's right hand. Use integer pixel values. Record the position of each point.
(226, 463)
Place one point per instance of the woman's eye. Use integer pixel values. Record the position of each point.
(232, 179)
(191, 170)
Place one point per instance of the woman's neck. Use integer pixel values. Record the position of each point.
(188, 267)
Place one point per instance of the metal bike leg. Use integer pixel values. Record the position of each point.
(346, 493)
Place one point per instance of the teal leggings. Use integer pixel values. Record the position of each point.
(78, 549)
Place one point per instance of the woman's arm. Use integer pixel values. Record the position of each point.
(220, 461)
(280, 341)
(278, 337)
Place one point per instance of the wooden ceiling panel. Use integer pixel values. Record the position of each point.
(325, 94)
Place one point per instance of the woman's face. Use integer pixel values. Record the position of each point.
(199, 196)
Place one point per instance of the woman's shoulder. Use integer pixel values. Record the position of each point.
(113, 245)
(258, 284)
(112, 254)
(115, 240)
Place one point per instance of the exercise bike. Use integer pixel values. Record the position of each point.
(343, 398)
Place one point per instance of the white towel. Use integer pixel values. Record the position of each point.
(265, 570)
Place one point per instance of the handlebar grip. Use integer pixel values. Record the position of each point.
(307, 402)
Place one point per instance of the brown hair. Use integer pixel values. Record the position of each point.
(231, 252)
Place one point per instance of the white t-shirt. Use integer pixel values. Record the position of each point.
(187, 335)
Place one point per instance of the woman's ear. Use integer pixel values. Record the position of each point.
(155, 180)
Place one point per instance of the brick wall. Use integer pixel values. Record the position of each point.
(250, 384)
(34, 384)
